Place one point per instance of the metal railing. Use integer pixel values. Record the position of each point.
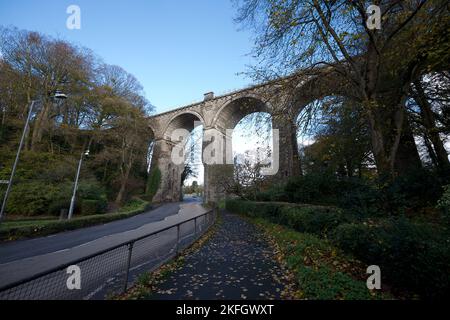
(112, 270)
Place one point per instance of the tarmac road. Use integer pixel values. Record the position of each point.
(16, 250)
(45, 253)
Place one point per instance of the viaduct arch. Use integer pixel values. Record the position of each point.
(283, 99)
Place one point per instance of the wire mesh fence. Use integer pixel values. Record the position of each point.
(113, 270)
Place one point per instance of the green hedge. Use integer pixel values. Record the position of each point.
(363, 196)
(303, 218)
(411, 256)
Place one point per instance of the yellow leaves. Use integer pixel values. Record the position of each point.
(343, 35)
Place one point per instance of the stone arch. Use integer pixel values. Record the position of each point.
(170, 185)
(152, 130)
(227, 116)
(317, 88)
(231, 112)
(185, 120)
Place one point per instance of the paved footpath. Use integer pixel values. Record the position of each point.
(235, 263)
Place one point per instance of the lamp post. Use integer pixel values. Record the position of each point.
(22, 139)
(75, 186)
(59, 96)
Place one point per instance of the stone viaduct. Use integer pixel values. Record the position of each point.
(283, 99)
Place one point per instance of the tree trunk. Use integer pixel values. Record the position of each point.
(350, 167)
(430, 150)
(289, 160)
(407, 158)
(429, 123)
(123, 185)
(393, 145)
(124, 178)
(2, 126)
(382, 138)
(3, 116)
(39, 125)
(119, 197)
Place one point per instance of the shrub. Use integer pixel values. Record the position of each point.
(356, 195)
(322, 271)
(36, 198)
(52, 168)
(304, 218)
(317, 188)
(275, 193)
(134, 204)
(56, 206)
(444, 203)
(91, 207)
(267, 210)
(411, 256)
(91, 198)
(418, 188)
(49, 189)
(312, 219)
(91, 189)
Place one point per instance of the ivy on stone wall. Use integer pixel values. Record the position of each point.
(153, 182)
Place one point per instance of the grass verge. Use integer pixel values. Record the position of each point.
(320, 271)
(25, 229)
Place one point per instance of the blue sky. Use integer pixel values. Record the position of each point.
(177, 49)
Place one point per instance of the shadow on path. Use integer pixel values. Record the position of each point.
(235, 263)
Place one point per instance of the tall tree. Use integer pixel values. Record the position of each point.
(341, 140)
(377, 64)
(120, 124)
(425, 98)
(105, 109)
(45, 66)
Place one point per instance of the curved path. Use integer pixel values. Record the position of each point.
(235, 263)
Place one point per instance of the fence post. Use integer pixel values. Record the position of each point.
(178, 238)
(127, 272)
(195, 227)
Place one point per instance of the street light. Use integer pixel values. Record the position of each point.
(57, 96)
(75, 186)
